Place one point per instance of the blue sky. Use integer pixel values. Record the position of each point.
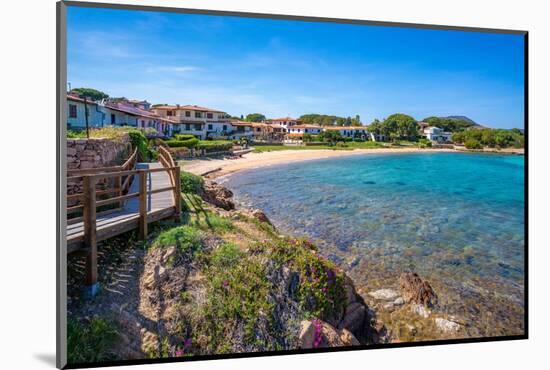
(289, 68)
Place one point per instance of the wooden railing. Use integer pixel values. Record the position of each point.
(120, 185)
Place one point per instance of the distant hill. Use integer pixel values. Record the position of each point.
(463, 118)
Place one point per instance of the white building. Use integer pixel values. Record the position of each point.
(199, 121)
(77, 108)
(350, 131)
(437, 134)
(284, 122)
(124, 114)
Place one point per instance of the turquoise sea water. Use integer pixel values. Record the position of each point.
(431, 211)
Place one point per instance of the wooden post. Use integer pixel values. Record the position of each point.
(142, 205)
(90, 233)
(118, 185)
(177, 192)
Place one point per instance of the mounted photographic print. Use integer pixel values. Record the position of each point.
(235, 184)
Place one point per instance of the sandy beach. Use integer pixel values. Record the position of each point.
(213, 168)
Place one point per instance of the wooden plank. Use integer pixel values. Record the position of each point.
(177, 192)
(90, 241)
(142, 205)
(116, 199)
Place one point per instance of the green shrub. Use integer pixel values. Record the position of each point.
(190, 183)
(424, 143)
(321, 290)
(184, 137)
(186, 238)
(237, 298)
(226, 255)
(215, 145)
(189, 143)
(473, 144)
(139, 141)
(90, 342)
(212, 221)
(341, 144)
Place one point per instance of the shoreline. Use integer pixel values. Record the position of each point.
(213, 168)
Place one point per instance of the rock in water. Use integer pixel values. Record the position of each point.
(260, 216)
(384, 294)
(414, 290)
(447, 326)
(217, 195)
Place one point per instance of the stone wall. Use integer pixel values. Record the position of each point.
(94, 153)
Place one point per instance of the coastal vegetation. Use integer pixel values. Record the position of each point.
(229, 283)
(449, 124)
(91, 340)
(330, 120)
(255, 117)
(396, 127)
(488, 137)
(90, 93)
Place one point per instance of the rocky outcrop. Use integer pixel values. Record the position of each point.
(416, 291)
(217, 195)
(260, 216)
(319, 334)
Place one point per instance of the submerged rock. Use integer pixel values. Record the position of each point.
(416, 291)
(384, 294)
(217, 195)
(447, 326)
(420, 310)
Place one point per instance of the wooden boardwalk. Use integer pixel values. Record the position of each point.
(142, 192)
(159, 205)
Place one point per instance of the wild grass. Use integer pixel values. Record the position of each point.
(90, 342)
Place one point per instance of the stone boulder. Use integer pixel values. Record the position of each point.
(260, 216)
(415, 290)
(319, 334)
(217, 195)
(354, 318)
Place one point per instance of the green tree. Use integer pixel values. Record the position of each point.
(401, 126)
(448, 124)
(472, 143)
(93, 94)
(330, 136)
(255, 117)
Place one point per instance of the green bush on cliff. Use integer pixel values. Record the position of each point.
(237, 299)
(321, 287)
(186, 238)
(190, 183)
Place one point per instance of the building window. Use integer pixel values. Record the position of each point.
(187, 113)
(198, 115)
(209, 115)
(187, 127)
(210, 127)
(197, 126)
(113, 119)
(72, 111)
(170, 113)
(225, 127)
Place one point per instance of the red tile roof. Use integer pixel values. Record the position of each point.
(187, 107)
